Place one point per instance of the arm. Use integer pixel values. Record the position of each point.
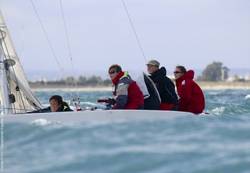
(121, 97)
(169, 88)
(187, 91)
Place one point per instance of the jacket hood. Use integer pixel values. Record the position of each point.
(159, 73)
(188, 75)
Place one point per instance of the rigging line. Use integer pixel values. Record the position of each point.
(66, 30)
(74, 96)
(67, 38)
(134, 30)
(46, 35)
(47, 38)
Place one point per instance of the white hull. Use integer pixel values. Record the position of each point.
(92, 116)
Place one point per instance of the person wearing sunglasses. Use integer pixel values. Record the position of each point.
(191, 97)
(127, 94)
(164, 85)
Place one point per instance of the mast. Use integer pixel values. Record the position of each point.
(4, 91)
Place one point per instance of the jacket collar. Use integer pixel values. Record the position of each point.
(117, 78)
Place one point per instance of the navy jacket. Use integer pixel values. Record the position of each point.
(165, 86)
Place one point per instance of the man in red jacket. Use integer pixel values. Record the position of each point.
(191, 96)
(126, 92)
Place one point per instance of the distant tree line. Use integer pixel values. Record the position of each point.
(80, 81)
(214, 72)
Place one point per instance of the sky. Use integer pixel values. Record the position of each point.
(193, 33)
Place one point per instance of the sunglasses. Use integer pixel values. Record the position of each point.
(112, 72)
(176, 72)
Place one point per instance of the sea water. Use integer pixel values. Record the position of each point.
(216, 142)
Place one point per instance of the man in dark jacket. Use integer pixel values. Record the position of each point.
(152, 101)
(127, 94)
(191, 96)
(164, 85)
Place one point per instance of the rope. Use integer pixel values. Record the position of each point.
(66, 31)
(46, 36)
(134, 30)
(74, 97)
(67, 38)
(49, 42)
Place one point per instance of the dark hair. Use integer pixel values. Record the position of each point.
(57, 98)
(182, 68)
(116, 67)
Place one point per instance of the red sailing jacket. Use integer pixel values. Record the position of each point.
(191, 96)
(127, 93)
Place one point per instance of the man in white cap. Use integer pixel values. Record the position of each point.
(165, 86)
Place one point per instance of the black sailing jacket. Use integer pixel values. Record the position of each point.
(165, 86)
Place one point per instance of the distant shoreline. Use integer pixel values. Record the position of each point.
(224, 85)
(203, 85)
(71, 88)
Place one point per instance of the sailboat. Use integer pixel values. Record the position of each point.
(17, 99)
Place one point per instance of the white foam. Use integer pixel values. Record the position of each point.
(247, 97)
(214, 93)
(41, 122)
(218, 110)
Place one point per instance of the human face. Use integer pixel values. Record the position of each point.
(178, 73)
(54, 105)
(151, 68)
(112, 73)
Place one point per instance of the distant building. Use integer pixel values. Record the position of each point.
(247, 77)
(43, 79)
(239, 78)
(231, 79)
(224, 73)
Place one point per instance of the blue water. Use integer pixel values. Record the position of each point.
(218, 142)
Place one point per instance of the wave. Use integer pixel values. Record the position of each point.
(41, 122)
(218, 110)
(247, 97)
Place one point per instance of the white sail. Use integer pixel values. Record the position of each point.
(19, 99)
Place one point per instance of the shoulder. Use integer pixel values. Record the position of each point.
(188, 83)
(125, 80)
(65, 107)
(122, 86)
(167, 80)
